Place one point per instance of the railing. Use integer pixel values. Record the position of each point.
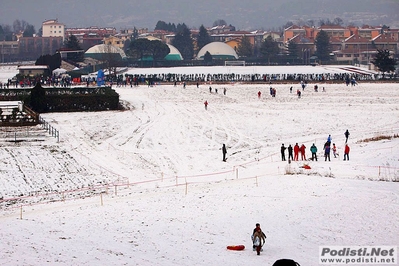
(51, 130)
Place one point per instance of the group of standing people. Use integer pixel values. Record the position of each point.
(293, 152)
(210, 90)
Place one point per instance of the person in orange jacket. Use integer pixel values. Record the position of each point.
(346, 152)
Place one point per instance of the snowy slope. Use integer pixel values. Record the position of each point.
(184, 205)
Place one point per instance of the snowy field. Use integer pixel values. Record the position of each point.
(183, 204)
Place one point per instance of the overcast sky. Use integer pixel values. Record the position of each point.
(251, 14)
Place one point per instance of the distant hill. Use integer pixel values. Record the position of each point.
(244, 15)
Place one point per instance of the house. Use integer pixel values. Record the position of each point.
(33, 47)
(53, 28)
(350, 44)
(385, 41)
(115, 41)
(33, 70)
(9, 50)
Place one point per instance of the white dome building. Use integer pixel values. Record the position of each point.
(99, 51)
(174, 54)
(218, 50)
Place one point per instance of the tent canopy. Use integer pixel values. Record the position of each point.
(59, 71)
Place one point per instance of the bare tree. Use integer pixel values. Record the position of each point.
(219, 22)
(19, 25)
(111, 58)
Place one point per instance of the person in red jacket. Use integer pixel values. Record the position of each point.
(302, 150)
(296, 151)
(206, 105)
(346, 152)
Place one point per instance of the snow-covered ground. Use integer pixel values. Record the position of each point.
(183, 204)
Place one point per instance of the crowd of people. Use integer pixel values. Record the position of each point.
(231, 77)
(294, 152)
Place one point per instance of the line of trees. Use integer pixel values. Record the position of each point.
(8, 33)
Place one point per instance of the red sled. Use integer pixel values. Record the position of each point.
(239, 247)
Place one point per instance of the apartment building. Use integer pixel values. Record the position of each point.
(53, 28)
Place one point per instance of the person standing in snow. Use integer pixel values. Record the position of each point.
(346, 152)
(206, 105)
(259, 94)
(313, 150)
(334, 149)
(224, 151)
(302, 149)
(290, 157)
(346, 135)
(283, 152)
(296, 151)
(329, 139)
(327, 151)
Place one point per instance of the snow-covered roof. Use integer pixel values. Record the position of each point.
(31, 67)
